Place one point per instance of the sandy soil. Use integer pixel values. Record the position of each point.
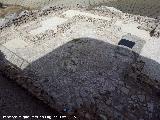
(11, 9)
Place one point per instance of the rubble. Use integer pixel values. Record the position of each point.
(79, 66)
(152, 26)
(156, 31)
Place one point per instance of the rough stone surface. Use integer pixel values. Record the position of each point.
(78, 67)
(16, 101)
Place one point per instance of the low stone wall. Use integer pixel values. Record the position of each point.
(12, 72)
(135, 73)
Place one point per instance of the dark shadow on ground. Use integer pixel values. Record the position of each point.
(97, 78)
(90, 71)
(16, 101)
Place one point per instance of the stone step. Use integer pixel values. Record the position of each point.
(8, 54)
(151, 50)
(48, 24)
(14, 58)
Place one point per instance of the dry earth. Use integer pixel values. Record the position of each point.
(149, 8)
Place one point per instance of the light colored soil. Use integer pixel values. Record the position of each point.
(11, 9)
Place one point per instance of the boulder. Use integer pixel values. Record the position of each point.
(3, 23)
(158, 18)
(155, 32)
(11, 16)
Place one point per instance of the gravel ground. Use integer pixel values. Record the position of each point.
(14, 100)
(148, 8)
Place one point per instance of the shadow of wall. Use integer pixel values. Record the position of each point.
(94, 76)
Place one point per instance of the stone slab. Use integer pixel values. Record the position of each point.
(48, 24)
(151, 50)
(15, 44)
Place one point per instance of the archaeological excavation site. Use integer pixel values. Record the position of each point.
(84, 59)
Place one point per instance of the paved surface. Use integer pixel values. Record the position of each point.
(14, 100)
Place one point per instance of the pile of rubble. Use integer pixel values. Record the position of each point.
(25, 16)
(153, 26)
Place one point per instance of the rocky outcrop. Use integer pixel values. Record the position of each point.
(156, 31)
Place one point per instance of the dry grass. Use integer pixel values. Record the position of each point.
(11, 9)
